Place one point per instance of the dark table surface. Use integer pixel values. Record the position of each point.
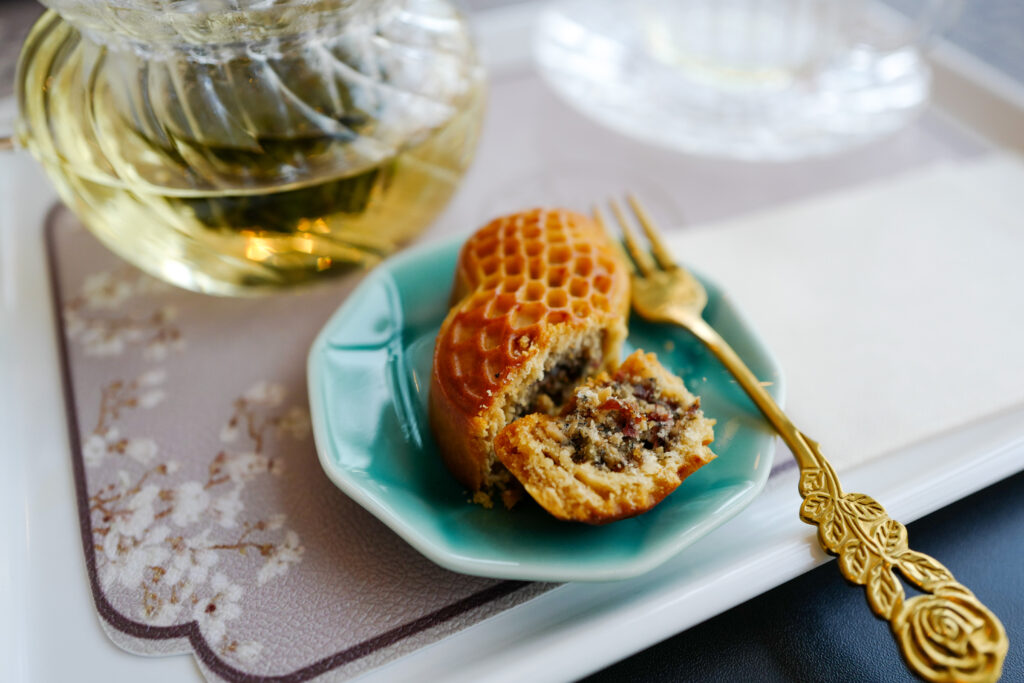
(817, 627)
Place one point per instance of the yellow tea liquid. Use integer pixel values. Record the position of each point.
(164, 204)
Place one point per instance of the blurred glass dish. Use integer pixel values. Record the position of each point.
(745, 79)
(237, 146)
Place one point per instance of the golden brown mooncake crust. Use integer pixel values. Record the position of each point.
(527, 286)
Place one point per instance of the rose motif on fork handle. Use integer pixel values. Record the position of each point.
(951, 635)
(946, 635)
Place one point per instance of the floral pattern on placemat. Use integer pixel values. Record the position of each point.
(207, 523)
(95, 319)
(145, 528)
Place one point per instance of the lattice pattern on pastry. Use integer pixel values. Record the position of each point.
(523, 272)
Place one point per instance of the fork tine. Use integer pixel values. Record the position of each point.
(643, 260)
(661, 252)
(616, 244)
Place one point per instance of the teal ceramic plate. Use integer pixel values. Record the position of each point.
(369, 376)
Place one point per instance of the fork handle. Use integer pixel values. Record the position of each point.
(946, 634)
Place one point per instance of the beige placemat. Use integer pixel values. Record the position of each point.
(896, 309)
(207, 523)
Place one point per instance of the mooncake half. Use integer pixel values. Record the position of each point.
(539, 304)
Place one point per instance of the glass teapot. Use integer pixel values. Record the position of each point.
(238, 146)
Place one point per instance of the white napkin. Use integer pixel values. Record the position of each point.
(896, 309)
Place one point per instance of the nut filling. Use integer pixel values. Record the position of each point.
(619, 446)
(632, 425)
(563, 373)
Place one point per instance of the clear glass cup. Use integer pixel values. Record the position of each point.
(240, 146)
(744, 79)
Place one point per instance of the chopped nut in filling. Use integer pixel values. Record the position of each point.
(625, 424)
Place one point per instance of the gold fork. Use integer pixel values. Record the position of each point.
(946, 634)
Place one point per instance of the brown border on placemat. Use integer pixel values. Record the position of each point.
(191, 630)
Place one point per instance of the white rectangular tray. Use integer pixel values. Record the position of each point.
(534, 150)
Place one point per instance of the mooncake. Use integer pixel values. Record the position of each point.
(539, 304)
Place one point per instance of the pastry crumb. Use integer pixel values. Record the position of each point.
(483, 498)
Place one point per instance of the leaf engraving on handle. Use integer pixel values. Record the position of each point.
(885, 594)
(812, 481)
(891, 537)
(833, 532)
(862, 507)
(817, 508)
(856, 560)
(922, 570)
